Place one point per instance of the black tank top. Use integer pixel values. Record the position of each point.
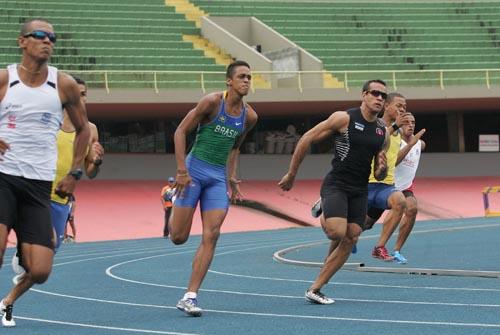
(354, 151)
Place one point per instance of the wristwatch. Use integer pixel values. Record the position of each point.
(77, 174)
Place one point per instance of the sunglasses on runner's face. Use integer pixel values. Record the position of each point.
(377, 93)
(40, 35)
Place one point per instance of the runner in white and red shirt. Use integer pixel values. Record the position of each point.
(409, 154)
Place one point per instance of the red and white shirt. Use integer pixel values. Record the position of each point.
(406, 170)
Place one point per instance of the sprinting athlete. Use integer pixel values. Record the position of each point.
(222, 121)
(32, 98)
(358, 137)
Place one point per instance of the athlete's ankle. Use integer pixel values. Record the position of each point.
(190, 295)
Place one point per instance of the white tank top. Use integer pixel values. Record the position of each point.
(406, 170)
(29, 120)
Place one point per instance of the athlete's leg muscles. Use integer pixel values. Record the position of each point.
(37, 260)
(180, 223)
(407, 222)
(212, 222)
(397, 203)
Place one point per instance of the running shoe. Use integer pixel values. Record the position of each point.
(189, 306)
(17, 268)
(316, 297)
(6, 312)
(316, 209)
(399, 258)
(69, 239)
(382, 253)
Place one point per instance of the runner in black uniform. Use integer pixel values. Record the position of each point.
(358, 136)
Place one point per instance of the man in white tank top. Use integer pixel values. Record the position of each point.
(32, 97)
(411, 148)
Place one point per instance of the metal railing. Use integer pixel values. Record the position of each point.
(300, 80)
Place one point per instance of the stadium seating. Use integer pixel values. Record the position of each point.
(365, 36)
(128, 35)
(133, 35)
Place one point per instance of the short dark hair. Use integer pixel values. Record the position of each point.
(79, 80)
(231, 67)
(366, 86)
(25, 28)
(393, 95)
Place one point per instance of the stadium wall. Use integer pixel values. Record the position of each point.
(272, 167)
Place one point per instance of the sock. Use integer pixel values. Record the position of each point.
(190, 295)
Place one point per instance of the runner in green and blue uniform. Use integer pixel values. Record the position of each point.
(223, 120)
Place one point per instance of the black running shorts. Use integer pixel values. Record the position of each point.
(25, 207)
(337, 202)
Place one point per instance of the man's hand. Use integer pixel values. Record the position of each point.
(66, 186)
(4, 146)
(236, 194)
(97, 153)
(183, 180)
(286, 183)
(415, 138)
(403, 119)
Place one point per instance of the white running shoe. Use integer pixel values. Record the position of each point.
(17, 268)
(6, 311)
(189, 306)
(317, 297)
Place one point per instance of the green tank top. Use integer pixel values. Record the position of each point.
(215, 140)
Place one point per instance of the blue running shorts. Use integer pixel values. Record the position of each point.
(59, 214)
(209, 186)
(378, 193)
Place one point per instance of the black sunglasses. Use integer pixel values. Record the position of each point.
(40, 35)
(377, 93)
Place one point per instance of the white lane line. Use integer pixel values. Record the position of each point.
(87, 325)
(299, 316)
(110, 273)
(184, 250)
(84, 252)
(359, 284)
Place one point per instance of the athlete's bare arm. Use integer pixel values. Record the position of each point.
(70, 98)
(337, 122)
(251, 120)
(406, 149)
(380, 166)
(95, 153)
(4, 80)
(203, 112)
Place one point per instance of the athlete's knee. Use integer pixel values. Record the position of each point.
(411, 211)
(211, 235)
(334, 231)
(177, 238)
(398, 202)
(411, 207)
(39, 276)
